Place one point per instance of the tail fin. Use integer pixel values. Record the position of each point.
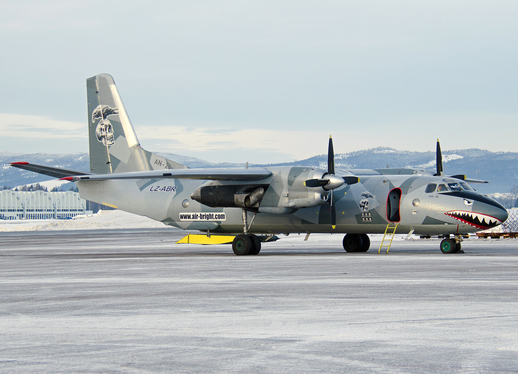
(114, 147)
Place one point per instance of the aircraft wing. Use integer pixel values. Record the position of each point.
(47, 170)
(247, 174)
(202, 174)
(469, 180)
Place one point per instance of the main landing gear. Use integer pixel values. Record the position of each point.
(246, 244)
(449, 245)
(356, 243)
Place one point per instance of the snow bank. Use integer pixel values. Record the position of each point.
(108, 219)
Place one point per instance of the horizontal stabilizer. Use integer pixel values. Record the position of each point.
(201, 174)
(47, 170)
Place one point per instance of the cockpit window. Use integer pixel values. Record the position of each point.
(466, 186)
(455, 186)
(430, 188)
(442, 188)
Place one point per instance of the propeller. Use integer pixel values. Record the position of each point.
(438, 160)
(440, 169)
(330, 181)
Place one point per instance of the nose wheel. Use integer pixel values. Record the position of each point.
(449, 245)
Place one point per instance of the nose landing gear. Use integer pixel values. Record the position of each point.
(449, 245)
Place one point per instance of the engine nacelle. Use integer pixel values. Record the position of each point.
(228, 196)
(283, 192)
(288, 192)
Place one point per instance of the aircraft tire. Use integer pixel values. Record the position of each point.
(353, 243)
(449, 246)
(257, 245)
(242, 245)
(366, 243)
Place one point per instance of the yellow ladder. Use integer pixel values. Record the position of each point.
(390, 231)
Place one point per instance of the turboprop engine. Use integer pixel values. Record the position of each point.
(286, 189)
(230, 196)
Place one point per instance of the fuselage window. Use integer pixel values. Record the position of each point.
(430, 188)
(455, 187)
(442, 188)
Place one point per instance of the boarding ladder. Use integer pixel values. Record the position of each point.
(390, 231)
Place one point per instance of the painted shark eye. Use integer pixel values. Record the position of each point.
(467, 202)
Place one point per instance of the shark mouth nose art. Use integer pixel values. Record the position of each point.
(478, 220)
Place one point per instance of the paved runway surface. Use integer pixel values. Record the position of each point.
(130, 301)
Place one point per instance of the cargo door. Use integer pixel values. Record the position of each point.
(394, 205)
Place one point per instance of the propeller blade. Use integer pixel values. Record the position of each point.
(351, 180)
(330, 157)
(333, 209)
(440, 170)
(316, 182)
(438, 159)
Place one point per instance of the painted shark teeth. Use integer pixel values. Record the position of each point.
(478, 220)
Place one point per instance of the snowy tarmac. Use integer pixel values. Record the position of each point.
(132, 301)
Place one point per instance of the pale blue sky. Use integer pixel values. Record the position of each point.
(263, 81)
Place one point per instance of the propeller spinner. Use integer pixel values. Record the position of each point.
(329, 180)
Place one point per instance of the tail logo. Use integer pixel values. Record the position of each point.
(104, 129)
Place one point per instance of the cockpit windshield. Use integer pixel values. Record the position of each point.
(466, 186)
(446, 187)
(455, 186)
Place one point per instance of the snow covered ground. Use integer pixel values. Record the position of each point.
(132, 301)
(107, 219)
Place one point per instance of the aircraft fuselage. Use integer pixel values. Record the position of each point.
(421, 203)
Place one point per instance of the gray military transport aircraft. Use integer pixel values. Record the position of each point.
(255, 201)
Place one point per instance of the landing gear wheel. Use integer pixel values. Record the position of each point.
(366, 243)
(242, 245)
(449, 246)
(353, 243)
(257, 245)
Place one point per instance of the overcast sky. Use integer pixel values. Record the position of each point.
(263, 81)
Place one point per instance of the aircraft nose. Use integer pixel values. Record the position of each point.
(486, 213)
(502, 214)
(491, 209)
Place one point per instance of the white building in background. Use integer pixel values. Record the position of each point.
(41, 205)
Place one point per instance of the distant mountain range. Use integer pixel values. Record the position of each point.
(500, 168)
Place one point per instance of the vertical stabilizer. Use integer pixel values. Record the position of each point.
(114, 147)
